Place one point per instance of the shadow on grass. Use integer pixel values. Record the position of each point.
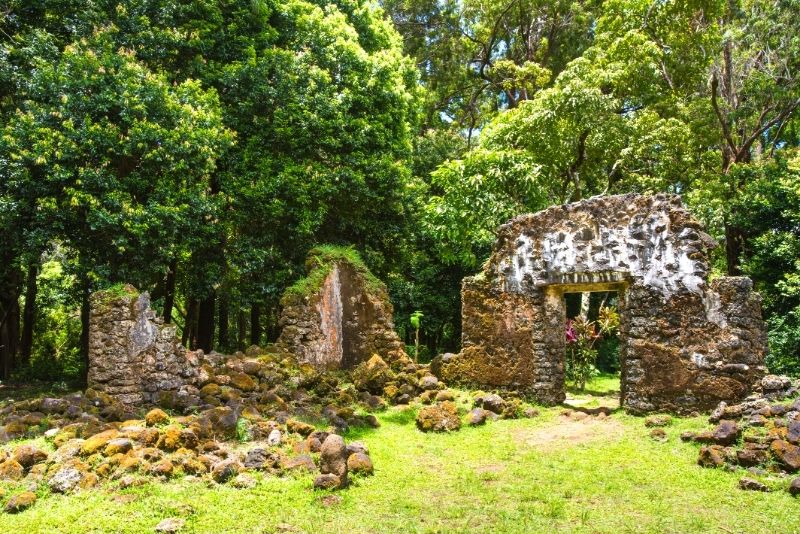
(19, 391)
(593, 392)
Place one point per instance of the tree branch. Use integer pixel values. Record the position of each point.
(782, 116)
(726, 132)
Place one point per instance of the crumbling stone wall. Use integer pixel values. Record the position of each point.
(132, 356)
(686, 343)
(341, 322)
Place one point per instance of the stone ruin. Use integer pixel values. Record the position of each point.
(133, 357)
(340, 318)
(687, 343)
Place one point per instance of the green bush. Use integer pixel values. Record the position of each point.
(784, 343)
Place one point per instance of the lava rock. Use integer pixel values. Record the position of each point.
(794, 487)
(11, 470)
(65, 480)
(439, 418)
(494, 403)
(750, 484)
(360, 464)
(303, 462)
(20, 502)
(711, 456)
(750, 457)
(170, 525)
(477, 416)
(786, 453)
(28, 455)
(333, 458)
(726, 433)
(299, 427)
(244, 481)
(260, 459)
(327, 481)
(428, 383)
(118, 446)
(657, 421)
(225, 470)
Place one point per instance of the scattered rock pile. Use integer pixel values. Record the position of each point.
(261, 397)
(759, 434)
(443, 415)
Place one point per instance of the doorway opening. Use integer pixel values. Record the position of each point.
(592, 362)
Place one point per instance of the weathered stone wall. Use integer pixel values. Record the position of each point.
(132, 356)
(686, 344)
(342, 323)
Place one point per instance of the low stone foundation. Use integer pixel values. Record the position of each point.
(132, 356)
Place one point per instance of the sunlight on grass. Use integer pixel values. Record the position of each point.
(484, 479)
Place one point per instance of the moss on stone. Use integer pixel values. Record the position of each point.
(109, 295)
(319, 263)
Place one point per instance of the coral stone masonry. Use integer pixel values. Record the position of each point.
(132, 356)
(687, 343)
(339, 315)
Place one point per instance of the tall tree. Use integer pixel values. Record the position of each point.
(109, 158)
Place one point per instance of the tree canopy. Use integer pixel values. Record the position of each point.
(199, 149)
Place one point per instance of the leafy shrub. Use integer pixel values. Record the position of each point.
(784, 343)
(582, 336)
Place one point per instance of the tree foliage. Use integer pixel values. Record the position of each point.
(199, 149)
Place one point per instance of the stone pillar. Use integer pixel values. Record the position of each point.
(340, 319)
(509, 340)
(132, 356)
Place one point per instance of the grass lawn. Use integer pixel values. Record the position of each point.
(547, 474)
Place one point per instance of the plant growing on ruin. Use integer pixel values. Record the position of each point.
(244, 430)
(582, 335)
(415, 320)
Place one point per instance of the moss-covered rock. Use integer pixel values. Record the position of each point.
(372, 375)
(156, 417)
(28, 455)
(243, 382)
(11, 470)
(299, 427)
(20, 502)
(360, 463)
(98, 442)
(170, 438)
(439, 418)
(163, 468)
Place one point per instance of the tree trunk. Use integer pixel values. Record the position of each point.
(255, 324)
(586, 299)
(241, 334)
(85, 312)
(169, 291)
(734, 244)
(224, 331)
(188, 337)
(29, 315)
(273, 328)
(9, 334)
(205, 323)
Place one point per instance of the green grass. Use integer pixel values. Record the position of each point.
(508, 476)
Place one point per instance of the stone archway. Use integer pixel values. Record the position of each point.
(686, 343)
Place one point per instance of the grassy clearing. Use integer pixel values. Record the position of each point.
(527, 475)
